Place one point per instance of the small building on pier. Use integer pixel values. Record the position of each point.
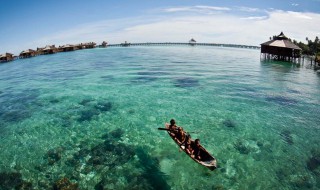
(125, 44)
(280, 48)
(28, 53)
(104, 44)
(6, 57)
(192, 42)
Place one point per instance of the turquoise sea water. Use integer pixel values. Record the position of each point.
(91, 116)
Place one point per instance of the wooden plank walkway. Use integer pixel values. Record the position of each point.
(179, 44)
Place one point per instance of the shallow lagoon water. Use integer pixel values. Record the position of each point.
(91, 116)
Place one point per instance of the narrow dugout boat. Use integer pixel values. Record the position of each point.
(207, 159)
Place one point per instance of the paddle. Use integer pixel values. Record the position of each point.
(164, 129)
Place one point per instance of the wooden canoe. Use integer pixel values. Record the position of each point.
(207, 159)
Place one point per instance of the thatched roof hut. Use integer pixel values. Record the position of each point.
(104, 44)
(68, 47)
(90, 45)
(85, 45)
(28, 53)
(6, 57)
(280, 48)
(192, 41)
(49, 49)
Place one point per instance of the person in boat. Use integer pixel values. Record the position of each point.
(196, 147)
(173, 126)
(180, 135)
(187, 145)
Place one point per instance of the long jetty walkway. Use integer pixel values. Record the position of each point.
(178, 44)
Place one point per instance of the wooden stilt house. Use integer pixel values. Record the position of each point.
(6, 57)
(28, 53)
(280, 48)
(49, 49)
(68, 47)
(104, 44)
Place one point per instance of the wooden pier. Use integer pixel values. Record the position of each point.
(182, 44)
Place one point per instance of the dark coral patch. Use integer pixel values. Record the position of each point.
(281, 100)
(87, 115)
(65, 184)
(152, 173)
(108, 77)
(15, 115)
(186, 82)
(287, 136)
(314, 161)
(152, 73)
(54, 155)
(110, 153)
(148, 76)
(85, 102)
(229, 123)
(54, 101)
(241, 147)
(92, 109)
(117, 134)
(18, 106)
(13, 181)
(103, 106)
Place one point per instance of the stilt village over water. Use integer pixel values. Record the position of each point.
(279, 48)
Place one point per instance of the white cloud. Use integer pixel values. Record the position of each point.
(197, 9)
(249, 9)
(255, 18)
(295, 4)
(213, 8)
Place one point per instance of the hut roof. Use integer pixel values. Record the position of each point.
(48, 47)
(281, 41)
(281, 36)
(68, 45)
(28, 51)
(5, 55)
(193, 40)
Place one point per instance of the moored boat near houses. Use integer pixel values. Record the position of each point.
(280, 48)
(28, 53)
(6, 57)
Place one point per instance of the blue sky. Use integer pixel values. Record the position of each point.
(35, 23)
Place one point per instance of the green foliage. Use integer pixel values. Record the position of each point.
(311, 48)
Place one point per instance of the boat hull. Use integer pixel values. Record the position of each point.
(209, 161)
